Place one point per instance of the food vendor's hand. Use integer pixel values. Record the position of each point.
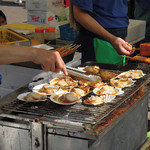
(123, 47)
(50, 61)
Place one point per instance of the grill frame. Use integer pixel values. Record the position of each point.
(62, 121)
(116, 131)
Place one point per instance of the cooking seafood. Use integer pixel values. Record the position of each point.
(32, 97)
(97, 100)
(92, 84)
(140, 59)
(64, 98)
(45, 89)
(107, 75)
(107, 90)
(65, 81)
(134, 74)
(81, 91)
(92, 69)
(121, 82)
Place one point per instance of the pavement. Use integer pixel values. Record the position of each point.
(15, 13)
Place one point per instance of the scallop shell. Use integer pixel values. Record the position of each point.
(56, 98)
(108, 91)
(23, 95)
(39, 89)
(97, 100)
(81, 91)
(134, 74)
(65, 81)
(121, 82)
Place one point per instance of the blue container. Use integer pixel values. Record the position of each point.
(67, 33)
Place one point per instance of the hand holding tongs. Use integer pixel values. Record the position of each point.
(80, 73)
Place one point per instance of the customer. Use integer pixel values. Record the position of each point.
(49, 60)
(3, 20)
(105, 20)
(142, 12)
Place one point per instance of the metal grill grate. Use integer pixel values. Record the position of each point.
(48, 111)
(78, 113)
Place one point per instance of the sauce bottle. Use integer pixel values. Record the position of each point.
(39, 34)
(50, 35)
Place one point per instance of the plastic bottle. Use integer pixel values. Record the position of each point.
(39, 34)
(50, 35)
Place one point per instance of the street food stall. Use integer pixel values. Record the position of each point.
(115, 121)
(118, 124)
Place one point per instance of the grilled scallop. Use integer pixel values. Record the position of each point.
(81, 91)
(121, 82)
(65, 98)
(92, 69)
(106, 90)
(107, 75)
(91, 84)
(34, 96)
(134, 74)
(65, 81)
(68, 98)
(48, 89)
(94, 100)
(97, 100)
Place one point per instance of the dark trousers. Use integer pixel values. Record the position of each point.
(85, 38)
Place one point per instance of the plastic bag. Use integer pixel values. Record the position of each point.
(105, 53)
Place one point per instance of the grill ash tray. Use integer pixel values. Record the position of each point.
(74, 115)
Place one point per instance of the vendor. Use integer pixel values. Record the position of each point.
(101, 20)
(49, 60)
(142, 12)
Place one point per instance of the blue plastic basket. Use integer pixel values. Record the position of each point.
(67, 33)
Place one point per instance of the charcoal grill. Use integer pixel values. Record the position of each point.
(120, 125)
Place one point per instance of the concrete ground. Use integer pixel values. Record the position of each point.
(15, 13)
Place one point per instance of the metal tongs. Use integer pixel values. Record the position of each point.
(81, 73)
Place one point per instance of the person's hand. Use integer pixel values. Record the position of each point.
(122, 47)
(50, 61)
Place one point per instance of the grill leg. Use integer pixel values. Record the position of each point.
(37, 136)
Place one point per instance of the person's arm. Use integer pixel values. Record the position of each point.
(82, 17)
(50, 60)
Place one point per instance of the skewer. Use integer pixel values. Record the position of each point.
(73, 47)
(70, 47)
(126, 56)
(136, 49)
(139, 59)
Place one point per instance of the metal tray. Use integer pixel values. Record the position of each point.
(67, 58)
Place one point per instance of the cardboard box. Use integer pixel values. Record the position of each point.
(41, 17)
(136, 31)
(45, 18)
(44, 5)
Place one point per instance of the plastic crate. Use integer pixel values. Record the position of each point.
(67, 33)
(8, 36)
